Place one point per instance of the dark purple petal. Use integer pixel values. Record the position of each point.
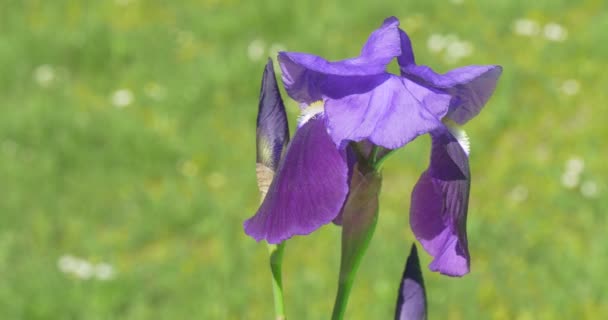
(390, 115)
(305, 76)
(440, 199)
(407, 54)
(470, 87)
(308, 190)
(272, 130)
(411, 302)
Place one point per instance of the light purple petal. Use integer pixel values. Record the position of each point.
(411, 301)
(390, 115)
(305, 75)
(470, 87)
(439, 206)
(272, 131)
(308, 190)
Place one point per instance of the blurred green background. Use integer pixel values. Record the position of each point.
(127, 159)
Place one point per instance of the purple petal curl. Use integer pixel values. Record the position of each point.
(470, 87)
(305, 76)
(308, 189)
(438, 212)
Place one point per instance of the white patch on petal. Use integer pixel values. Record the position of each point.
(310, 111)
(459, 134)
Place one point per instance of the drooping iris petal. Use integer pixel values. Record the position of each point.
(470, 87)
(272, 131)
(439, 206)
(390, 115)
(305, 76)
(411, 301)
(308, 190)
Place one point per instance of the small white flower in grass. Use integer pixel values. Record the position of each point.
(436, 43)
(589, 189)
(555, 32)
(83, 269)
(570, 87)
(526, 27)
(104, 271)
(256, 49)
(44, 75)
(575, 165)
(67, 263)
(122, 98)
(457, 50)
(570, 179)
(519, 194)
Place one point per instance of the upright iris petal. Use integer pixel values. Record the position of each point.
(308, 189)
(362, 101)
(411, 301)
(272, 133)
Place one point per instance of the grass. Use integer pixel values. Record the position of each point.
(160, 188)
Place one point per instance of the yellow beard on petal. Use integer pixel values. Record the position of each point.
(310, 111)
(459, 134)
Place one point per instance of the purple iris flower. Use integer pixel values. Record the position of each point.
(357, 101)
(411, 300)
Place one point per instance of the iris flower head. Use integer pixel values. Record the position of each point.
(356, 101)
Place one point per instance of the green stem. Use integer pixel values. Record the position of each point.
(349, 264)
(373, 155)
(359, 219)
(276, 262)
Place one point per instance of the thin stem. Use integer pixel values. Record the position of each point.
(276, 262)
(373, 155)
(359, 219)
(349, 265)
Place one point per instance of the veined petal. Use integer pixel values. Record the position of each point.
(440, 199)
(470, 87)
(305, 76)
(411, 301)
(390, 115)
(308, 190)
(272, 131)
